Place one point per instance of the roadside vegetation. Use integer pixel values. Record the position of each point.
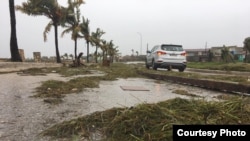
(239, 66)
(240, 79)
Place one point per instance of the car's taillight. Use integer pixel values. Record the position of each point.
(161, 53)
(183, 54)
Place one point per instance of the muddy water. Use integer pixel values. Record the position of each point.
(22, 118)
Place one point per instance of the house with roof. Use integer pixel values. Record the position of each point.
(195, 55)
(204, 54)
(237, 52)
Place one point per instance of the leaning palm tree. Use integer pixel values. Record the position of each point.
(85, 30)
(15, 56)
(72, 22)
(96, 40)
(50, 9)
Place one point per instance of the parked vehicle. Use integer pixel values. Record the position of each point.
(167, 56)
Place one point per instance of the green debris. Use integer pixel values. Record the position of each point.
(153, 121)
(57, 89)
(184, 92)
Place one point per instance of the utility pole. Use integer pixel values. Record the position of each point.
(206, 49)
(141, 42)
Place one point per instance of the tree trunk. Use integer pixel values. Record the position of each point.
(75, 49)
(96, 55)
(15, 56)
(87, 52)
(58, 58)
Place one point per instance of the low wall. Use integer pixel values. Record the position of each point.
(17, 66)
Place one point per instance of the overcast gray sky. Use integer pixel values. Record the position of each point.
(190, 23)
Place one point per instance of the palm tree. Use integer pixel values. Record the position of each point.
(96, 39)
(86, 33)
(104, 46)
(15, 56)
(72, 57)
(113, 51)
(72, 22)
(210, 55)
(108, 50)
(66, 56)
(246, 46)
(132, 52)
(50, 9)
(62, 57)
(137, 53)
(226, 55)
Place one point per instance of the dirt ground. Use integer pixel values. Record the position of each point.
(22, 117)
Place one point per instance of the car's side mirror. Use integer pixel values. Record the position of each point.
(148, 51)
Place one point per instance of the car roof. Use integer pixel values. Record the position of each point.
(171, 45)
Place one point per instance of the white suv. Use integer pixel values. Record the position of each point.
(167, 56)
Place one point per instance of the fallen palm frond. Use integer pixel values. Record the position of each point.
(184, 92)
(64, 71)
(154, 121)
(57, 89)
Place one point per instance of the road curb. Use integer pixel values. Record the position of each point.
(208, 84)
(219, 71)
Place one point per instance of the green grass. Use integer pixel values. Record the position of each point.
(230, 78)
(238, 66)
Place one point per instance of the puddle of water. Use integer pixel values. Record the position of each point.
(110, 94)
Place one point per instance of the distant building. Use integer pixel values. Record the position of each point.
(203, 54)
(194, 55)
(37, 56)
(237, 52)
(21, 52)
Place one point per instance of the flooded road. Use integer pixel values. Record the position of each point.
(110, 94)
(22, 117)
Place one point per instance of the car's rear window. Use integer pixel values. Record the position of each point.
(171, 48)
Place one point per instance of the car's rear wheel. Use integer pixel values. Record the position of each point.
(154, 66)
(169, 68)
(181, 69)
(147, 66)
